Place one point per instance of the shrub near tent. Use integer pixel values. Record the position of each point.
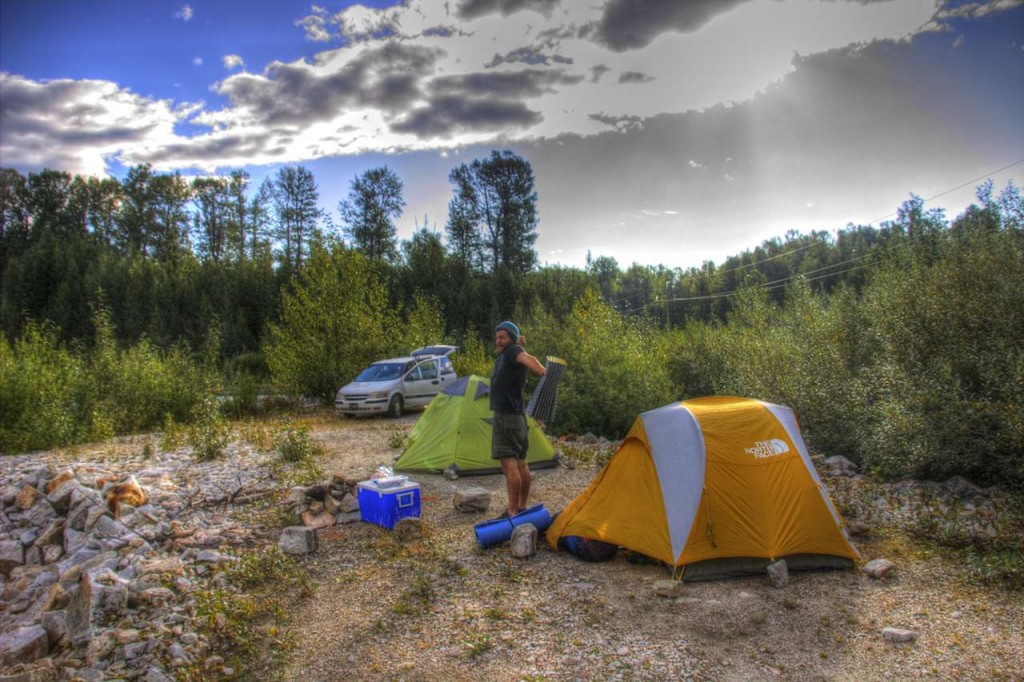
(455, 431)
(720, 486)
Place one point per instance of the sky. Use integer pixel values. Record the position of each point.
(659, 132)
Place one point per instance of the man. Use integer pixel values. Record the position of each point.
(511, 434)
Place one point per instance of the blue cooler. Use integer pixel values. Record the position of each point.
(385, 506)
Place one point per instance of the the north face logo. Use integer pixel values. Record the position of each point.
(768, 448)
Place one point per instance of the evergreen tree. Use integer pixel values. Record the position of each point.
(212, 219)
(495, 198)
(295, 195)
(374, 201)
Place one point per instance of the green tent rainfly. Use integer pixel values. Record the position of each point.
(455, 432)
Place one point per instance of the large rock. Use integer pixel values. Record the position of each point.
(476, 499)
(78, 615)
(879, 568)
(298, 540)
(524, 541)
(23, 645)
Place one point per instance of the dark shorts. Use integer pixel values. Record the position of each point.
(510, 436)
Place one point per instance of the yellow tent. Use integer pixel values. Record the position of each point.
(721, 486)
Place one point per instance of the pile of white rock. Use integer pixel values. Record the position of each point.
(88, 593)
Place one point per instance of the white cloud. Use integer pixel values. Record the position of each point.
(315, 25)
(436, 76)
(185, 13)
(76, 125)
(197, 61)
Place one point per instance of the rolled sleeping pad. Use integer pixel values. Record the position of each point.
(497, 531)
(493, 532)
(537, 515)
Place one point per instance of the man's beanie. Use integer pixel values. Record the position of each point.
(512, 330)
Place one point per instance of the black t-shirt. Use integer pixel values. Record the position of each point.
(508, 379)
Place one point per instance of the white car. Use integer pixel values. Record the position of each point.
(390, 386)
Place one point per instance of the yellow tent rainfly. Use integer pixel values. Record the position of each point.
(718, 486)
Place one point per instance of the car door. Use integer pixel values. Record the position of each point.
(422, 384)
(448, 375)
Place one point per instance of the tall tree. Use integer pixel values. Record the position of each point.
(374, 201)
(295, 196)
(13, 214)
(424, 261)
(239, 215)
(212, 217)
(170, 196)
(495, 197)
(137, 214)
(48, 194)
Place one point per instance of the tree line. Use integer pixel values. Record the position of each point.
(898, 345)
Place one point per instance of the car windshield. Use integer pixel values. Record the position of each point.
(384, 371)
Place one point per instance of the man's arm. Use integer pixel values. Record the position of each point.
(532, 363)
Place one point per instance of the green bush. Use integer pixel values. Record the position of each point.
(209, 433)
(42, 392)
(617, 367)
(334, 322)
(294, 444)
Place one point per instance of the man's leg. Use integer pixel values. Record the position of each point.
(513, 482)
(524, 483)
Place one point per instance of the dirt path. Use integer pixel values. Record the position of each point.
(443, 609)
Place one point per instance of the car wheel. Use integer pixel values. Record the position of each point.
(395, 406)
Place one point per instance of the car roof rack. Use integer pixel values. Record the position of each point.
(434, 351)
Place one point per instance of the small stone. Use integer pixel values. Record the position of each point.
(838, 465)
(349, 517)
(298, 540)
(53, 623)
(59, 480)
(475, 499)
(879, 568)
(898, 636)
(349, 503)
(211, 556)
(408, 529)
(167, 565)
(778, 573)
(317, 520)
(11, 554)
(26, 498)
(451, 474)
(857, 527)
(668, 588)
(524, 541)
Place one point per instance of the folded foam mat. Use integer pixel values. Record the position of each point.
(542, 403)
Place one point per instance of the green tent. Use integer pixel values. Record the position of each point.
(455, 432)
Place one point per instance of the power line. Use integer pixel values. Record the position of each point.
(948, 191)
(782, 282)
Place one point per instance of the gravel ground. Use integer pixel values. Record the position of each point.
(440, 608)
